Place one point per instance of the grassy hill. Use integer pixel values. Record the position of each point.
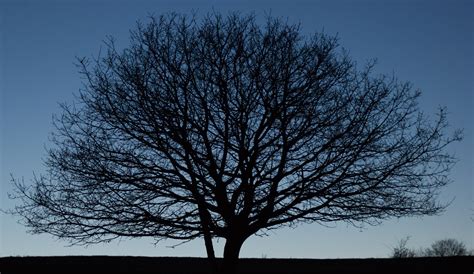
(158, 265)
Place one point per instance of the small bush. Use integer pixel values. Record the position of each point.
(441, 248)
(402, 251)
(447, 247)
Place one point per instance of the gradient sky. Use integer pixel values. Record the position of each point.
(429, 43)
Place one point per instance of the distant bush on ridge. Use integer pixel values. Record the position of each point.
(441, 248)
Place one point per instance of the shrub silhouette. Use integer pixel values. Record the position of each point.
(447, 247)
(441, 248)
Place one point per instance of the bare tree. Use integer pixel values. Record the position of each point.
(447, 247)
(440, 248)
(221, 127)
(402, 251)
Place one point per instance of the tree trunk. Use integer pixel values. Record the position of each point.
(208, 241)
(210, 252)
(209, 246)
(231, 254)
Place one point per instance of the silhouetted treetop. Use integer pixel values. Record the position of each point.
(221, 127)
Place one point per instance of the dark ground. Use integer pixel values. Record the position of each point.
(106, 264)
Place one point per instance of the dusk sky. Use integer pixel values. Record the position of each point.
(429, 43)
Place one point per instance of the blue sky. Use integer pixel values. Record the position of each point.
(429, 43)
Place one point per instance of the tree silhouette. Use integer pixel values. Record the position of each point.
(441, 248)
(447, 247)
(402, 251)
(222, 127)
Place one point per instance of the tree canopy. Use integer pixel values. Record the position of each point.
(221, 127)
